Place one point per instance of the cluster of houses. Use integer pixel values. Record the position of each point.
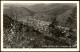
(42, 26)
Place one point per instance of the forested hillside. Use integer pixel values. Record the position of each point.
(40, 26)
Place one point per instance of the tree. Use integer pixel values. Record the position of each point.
(7, 21)
(54, 21)
(72, 18)
(71, 21)
(52, 25)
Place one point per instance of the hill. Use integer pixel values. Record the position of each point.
(40, 25)
(18, 12)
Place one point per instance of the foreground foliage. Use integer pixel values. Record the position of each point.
(18, 35)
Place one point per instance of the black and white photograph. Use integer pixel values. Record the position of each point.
(39, 25)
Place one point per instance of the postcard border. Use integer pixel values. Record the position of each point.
(38, 50)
